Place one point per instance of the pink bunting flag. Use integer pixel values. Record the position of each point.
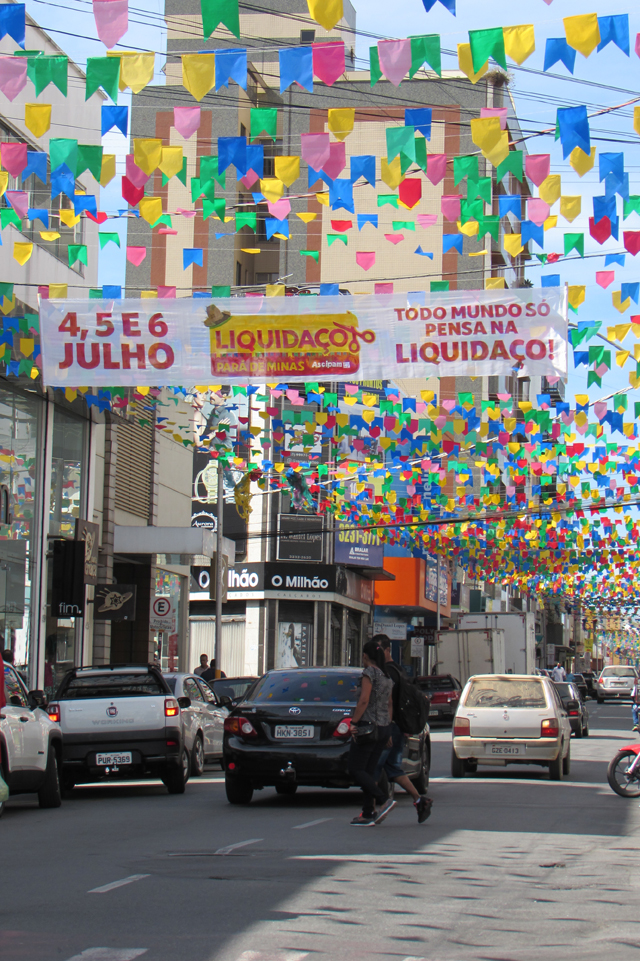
(166, 293)
(394, 238)
(638, 44)
(280, 209)
(328, 62)
(19, 200)
(383, 288)
(112, 20)
(186, 213)
(537, 211)
(450, 206)
(495, 112)
(427, 220)
(366, 259)
(537, 167)
(600, 409)
(13, 76)
(137, 176)
(314, 149)
(395, 59)
(186, 120)
(337, 159)
(13, 157)
(436, 167)
(249, 179)
(135, 255)
(604, 278)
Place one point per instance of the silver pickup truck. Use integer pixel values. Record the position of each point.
(120, 723)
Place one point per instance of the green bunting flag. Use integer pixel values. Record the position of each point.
(77, 252)
(103, 72)
(485, 44)
(63, 150)
(425, 50)
(221, 290)
(264, 120)
(246, 219)
(314, 254)
(109, 238)
(574, 242)
(209, 171)
(374, 65)
(465, 167)
(216, 206)
(89, 158)
(215, 12)
(512, 163)
(181, 175)
(45, 70)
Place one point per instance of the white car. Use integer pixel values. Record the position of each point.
(511, 719)
(30, 744)
(616, 682)
(202, 721)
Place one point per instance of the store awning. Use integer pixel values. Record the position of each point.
(187, 542)
(373, 573)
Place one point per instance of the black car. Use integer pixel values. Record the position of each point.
(575, 707)
(234, 688)
(590, 681)
(443, 691)
(579, 681)
(294, 729)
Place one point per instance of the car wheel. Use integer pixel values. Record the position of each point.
(555, 768)
(422, 781)
(458, 768)
(49, 795)
(566, 764)
(197, 758)
(618, 778)
(175, 780)
(585, 729)
(287, 790)
(238, 790)
(579, 730)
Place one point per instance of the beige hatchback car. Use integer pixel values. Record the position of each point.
(510, 719)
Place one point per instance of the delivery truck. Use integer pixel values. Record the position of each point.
(519, 637)
(464, 653)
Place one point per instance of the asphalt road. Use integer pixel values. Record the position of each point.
(510, 867)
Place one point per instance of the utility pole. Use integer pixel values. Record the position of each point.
(217, 647)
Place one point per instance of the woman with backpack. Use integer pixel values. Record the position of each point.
(370, 730)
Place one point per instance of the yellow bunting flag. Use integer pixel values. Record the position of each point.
(4, 181)
(148, 294)
(570, 207)
(583, 32)
(275, 290)
(150, 209)
(470, 229)
(621, 357)
(581, 162)
(323, 199)
(198, 73)
(171, 162)
(136, 69)
(341, 120)
(391, 173)
(550, 189)
(620, 305)
(26, 346)
(494, 283)
(621, 331)
(477, 253)
(512, 244)
(519, 42)
(550, 222)
(497, 154)
(287, 169)
(576, 295)
(147, 154)
(58, 291)
(271, 189)
(465, 63)
(22, 252)
(250, 250)
(326, 12)
(636, 119)
(108, 170)
(49, 234)
(37, 118)
(69, 218)
(306, 217)
(485, 132)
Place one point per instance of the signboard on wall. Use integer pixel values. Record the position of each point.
(395, 630)
(300, 537)
(294, 644)
(360, 548)
(114, 602)
(431, 581)
(90, 535)
(162, 613)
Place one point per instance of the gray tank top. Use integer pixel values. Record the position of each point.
(377, 710)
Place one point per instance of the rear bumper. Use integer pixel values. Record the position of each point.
(532, 750)
(314, 766)
(152, 754)
(442, 712)
(607, 693)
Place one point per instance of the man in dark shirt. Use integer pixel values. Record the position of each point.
(211, 674)
(391, 760)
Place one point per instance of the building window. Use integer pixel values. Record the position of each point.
(243, 130)
(238, 274)
(307, 36)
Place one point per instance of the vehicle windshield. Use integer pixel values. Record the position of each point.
(113, 685)
(235, 688)
(299, 686)
(503, 692)
(618, 672)
(171, 681)
(445, 683)
(565, 691)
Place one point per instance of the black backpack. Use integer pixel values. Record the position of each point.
(411, 708)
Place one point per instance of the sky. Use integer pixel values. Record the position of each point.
(605, 79)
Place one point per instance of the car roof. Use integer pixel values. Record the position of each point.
(509, 677)
(311, 670)
(239, 677)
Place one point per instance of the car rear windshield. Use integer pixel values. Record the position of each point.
(503, 692)
(230, 687)
(436, 684)
(618, 672)
(300, 686)
(113, 685)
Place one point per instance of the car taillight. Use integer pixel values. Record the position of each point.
(574, 713)
(461, 727)
(549, 728)
(171, 707)
(241, 726)
(344, 728)
(452, 697)
(54, 713)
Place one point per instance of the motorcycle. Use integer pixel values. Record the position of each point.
(623, 773)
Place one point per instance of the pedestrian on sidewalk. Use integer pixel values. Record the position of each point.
(212, 673)
(558, 673)
(204, 664)
(370, 729)
(391, 760)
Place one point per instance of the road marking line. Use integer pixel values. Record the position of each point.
(310, 824)
(109, 954)
(240, 844)
(118, 884)
(366, 858)
(513, 781)
(279, 956)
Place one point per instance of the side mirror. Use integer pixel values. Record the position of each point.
(37, 699)
(15, 700)
(225, 701)
(184, 702)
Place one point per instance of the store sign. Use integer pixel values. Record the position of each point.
(360, 548)
(284, 578)
(162, 614)
(126, 343)
(431, 581)
(90, 535)
(294, 644)
(114, 602)
(395, 630)
(68, 587)
(300, 537)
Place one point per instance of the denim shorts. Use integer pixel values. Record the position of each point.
(393, 762)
